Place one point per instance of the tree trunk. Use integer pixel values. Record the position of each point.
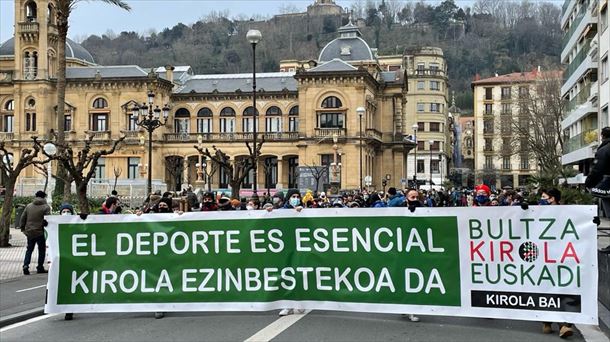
(82, 199)
(7, 206)
(62, 28)
(235, 187)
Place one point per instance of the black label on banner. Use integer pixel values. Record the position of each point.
(526, 301)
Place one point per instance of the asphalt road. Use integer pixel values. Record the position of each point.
(22, 294)
(313, 326)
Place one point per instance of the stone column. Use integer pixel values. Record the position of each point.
(281, 178)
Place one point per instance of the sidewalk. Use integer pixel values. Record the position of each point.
(11, 258)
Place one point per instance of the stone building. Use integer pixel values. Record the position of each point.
(306, 112)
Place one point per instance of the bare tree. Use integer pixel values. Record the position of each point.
(317, 172)
(28, 156)
(62, 16)
(117, 173)
(81, 167)
(238, 168)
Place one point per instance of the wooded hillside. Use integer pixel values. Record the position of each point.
(494, 36)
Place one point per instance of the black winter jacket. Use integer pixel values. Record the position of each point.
(601, 165)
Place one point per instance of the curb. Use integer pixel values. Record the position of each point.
(604, 319)
(20, 317)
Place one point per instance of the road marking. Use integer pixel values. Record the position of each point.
(272, 330)
(31, 320)
(592, 333)
(31, 288)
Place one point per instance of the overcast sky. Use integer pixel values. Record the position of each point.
(91, 17)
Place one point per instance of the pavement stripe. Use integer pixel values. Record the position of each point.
(31, 320)
(272, 330)
(592, 333)
(31, 288)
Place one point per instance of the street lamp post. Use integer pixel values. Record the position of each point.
(360, 111)
(431, 142)
(254, 37)
(199, 163)
(149, 118)
(50, 149)
(415, 127)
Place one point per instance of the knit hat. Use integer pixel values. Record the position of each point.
(292, 192)
(67, 206)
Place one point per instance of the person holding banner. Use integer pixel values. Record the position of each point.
(599, 176)
(482, 193)
(553, 197)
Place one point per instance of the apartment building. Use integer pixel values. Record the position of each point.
(585, 85)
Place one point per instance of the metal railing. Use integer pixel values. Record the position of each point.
(573, 26)
(581, 98)
(580, 57)
(579, 141)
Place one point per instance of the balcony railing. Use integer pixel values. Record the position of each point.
(580, 57)
(573, 26)
(329, 132)
(7, 136)
(28, 27)
(373, 133)
(581, 140)
(428, 72)
(193, 137)
(99, 135)
(581, 98)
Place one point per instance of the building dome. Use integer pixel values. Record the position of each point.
(348, 47)
(73, 50)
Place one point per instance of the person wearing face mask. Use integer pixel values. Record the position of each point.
(66, 209)
(481, 198)
(413, 199)
(553, 197)
(208, 203)
(293, 202)
(164, 206)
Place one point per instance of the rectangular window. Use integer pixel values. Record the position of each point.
(435, 107)
(420, 166)
(603, 19)
(489, 163)
(327, 159)
(30, 122)
(8, 123)
(435, 85)
(434, 69)
(604, 70)
(488, 109)
(435, 127)
(330, 120)
(506, 163)
(525, 162)
(421, 127)
(421, 85)
(132, 167)
(435, 166)
(506, 109)
(488, 127)
(293, 124)
(505, 93)
(223, 178)
(131, 123)
(67, 123)
(420, 145)
(489, 94)
(523, 91)
(181, 126)
(100, 170)
(204, 125)
(227, 125)
(273, 125)
(248, 125)
(420, 107)
(420, 68)
(436, 146)
(99, 122)
(488, 145)
(293, 172)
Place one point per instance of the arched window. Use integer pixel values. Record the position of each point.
(227, 120)
(294, 110)
(30, 11)
(9, 105)
(30, 65)
(51, 14)
(249, 122)
(204, 120)
(100, 103)
(250, 111)
(181, 121)
(227, 111)
(293, 119)
(274, 111)
(30, 115)
(332, 102)
(204, 112)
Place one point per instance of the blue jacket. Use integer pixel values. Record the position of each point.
(396, 201)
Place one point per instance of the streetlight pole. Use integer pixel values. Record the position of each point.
(415, 127)
(254, 37)
(431, 142)
(360, 111)
(149, 118)
(50, 149)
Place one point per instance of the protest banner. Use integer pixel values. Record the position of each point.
(504, 262)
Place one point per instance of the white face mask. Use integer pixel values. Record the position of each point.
(295, 201)
(249, 207)
(65, 213)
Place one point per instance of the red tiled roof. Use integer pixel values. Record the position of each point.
(517, 77)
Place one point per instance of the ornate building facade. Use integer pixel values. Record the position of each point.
(306, 112)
